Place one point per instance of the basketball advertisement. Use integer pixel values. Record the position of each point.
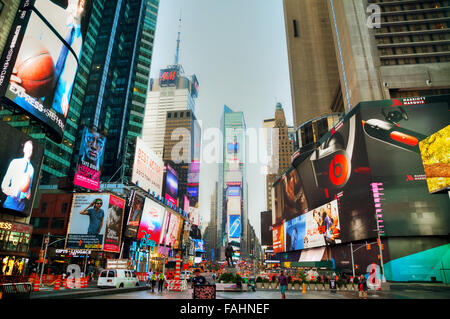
(39, 70)
(90, 160)
(94, 221)
(20, 166)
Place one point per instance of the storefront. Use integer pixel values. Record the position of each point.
(14, 243)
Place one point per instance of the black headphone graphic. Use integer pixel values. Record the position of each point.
(331, 162)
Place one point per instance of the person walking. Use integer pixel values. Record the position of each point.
(282, 279)
(363, 287)
(161, 279)
(153, 278)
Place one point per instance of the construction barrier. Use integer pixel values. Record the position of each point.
(57, 283)
(176, 285)
(18, 290)
(36, 284)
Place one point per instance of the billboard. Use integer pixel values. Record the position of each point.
(194, 86)
(95, 222)
(90, 159)
(314, 229)
(39, 69)
(151, 221)
(168, 77)
(171, 189)
(20, 166)
(148, 169)
(371, 163)
(173, 231)
(234, 222)
(199, 245)
(278, 238)
(134, 216)
(234, 191)
(435, 152)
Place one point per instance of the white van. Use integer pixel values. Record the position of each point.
(117, 278)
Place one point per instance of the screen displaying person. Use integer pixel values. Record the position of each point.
(92, 148)
(136, 213)
(295, 201)
(17, 182)
(96, 216)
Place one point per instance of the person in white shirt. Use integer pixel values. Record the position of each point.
(18, 180)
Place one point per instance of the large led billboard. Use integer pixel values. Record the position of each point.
(278, 238)
(90, 159)
(20, 166)
(171, 187)
(173, 230)
(199, 245)
(151, 221)
(148, 169)
(234, 230)
(168, 77)
(435, 152)
(39, 69)
(95, 222)
(371, 163)
(136, 205)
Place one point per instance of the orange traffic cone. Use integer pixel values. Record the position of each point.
(36, 284)
(66, 284)
(56, 287)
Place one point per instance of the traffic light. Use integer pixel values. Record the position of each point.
(369, 247)
(382, 246)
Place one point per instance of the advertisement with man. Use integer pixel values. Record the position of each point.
(90, 160)
(41, 65)
(20, 166)
(134, 217)
(148, 169)
(151, 221)
(90, 220)
(171, 186)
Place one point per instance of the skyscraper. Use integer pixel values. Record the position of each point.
(232, 204)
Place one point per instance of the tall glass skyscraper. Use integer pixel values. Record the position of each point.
(232, 206)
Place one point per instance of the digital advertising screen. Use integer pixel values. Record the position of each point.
(95, 222)
(20, 166)
(199, 245)
(171, 193)
(234, 191)
(435, 152)
(39, 69)
(234, 222)
(278, 238)
(173, 231)
(148, 169)
(90, 159)
(135, 213)
(151, 221)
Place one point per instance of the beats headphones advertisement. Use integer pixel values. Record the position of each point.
(39, 69)
(20, 166)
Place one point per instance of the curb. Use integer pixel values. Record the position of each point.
(84, 294)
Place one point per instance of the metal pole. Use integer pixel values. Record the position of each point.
(353, 264)
(43, 262)
(383, 279)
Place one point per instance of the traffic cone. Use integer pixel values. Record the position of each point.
(36, 284)
(304, 288)
(56, 287)
(66, 284)
(77, 283)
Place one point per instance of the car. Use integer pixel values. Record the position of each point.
(185, 275)
(117, 278)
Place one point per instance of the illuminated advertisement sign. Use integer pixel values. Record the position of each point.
(232, 147)
(135, 213)
(376, 144)
(199, 245)
(314, 229)
(20, 166)
(168, 77)
(171, 189)
(148, 169)
(38, 70)
(435, 152)
(192, 191)
(234, 191)
(151, 221)
(278, 238)
(194, 87)
(90, 159)
(234, 230)
(173, 231)
(95, 222)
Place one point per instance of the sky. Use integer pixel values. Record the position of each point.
(237, 50)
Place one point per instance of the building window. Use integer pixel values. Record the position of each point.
(43, 208)
(64, 208)
(57, 223)
(295, 29)
(169, 115)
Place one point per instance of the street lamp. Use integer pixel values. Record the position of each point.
(47, 239)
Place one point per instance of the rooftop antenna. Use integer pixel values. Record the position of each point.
(178, 40)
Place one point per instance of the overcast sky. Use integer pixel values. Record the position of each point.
(237, 50)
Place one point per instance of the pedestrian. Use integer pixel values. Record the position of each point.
(363, 287)
(283, 284)
(198, 279)
(161, 279)
(153, 278)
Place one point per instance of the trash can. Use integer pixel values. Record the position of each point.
(333, 285)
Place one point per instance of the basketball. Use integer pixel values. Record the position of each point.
(25, 183)
(35, 68)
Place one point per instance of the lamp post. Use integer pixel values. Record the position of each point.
(45, 254)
